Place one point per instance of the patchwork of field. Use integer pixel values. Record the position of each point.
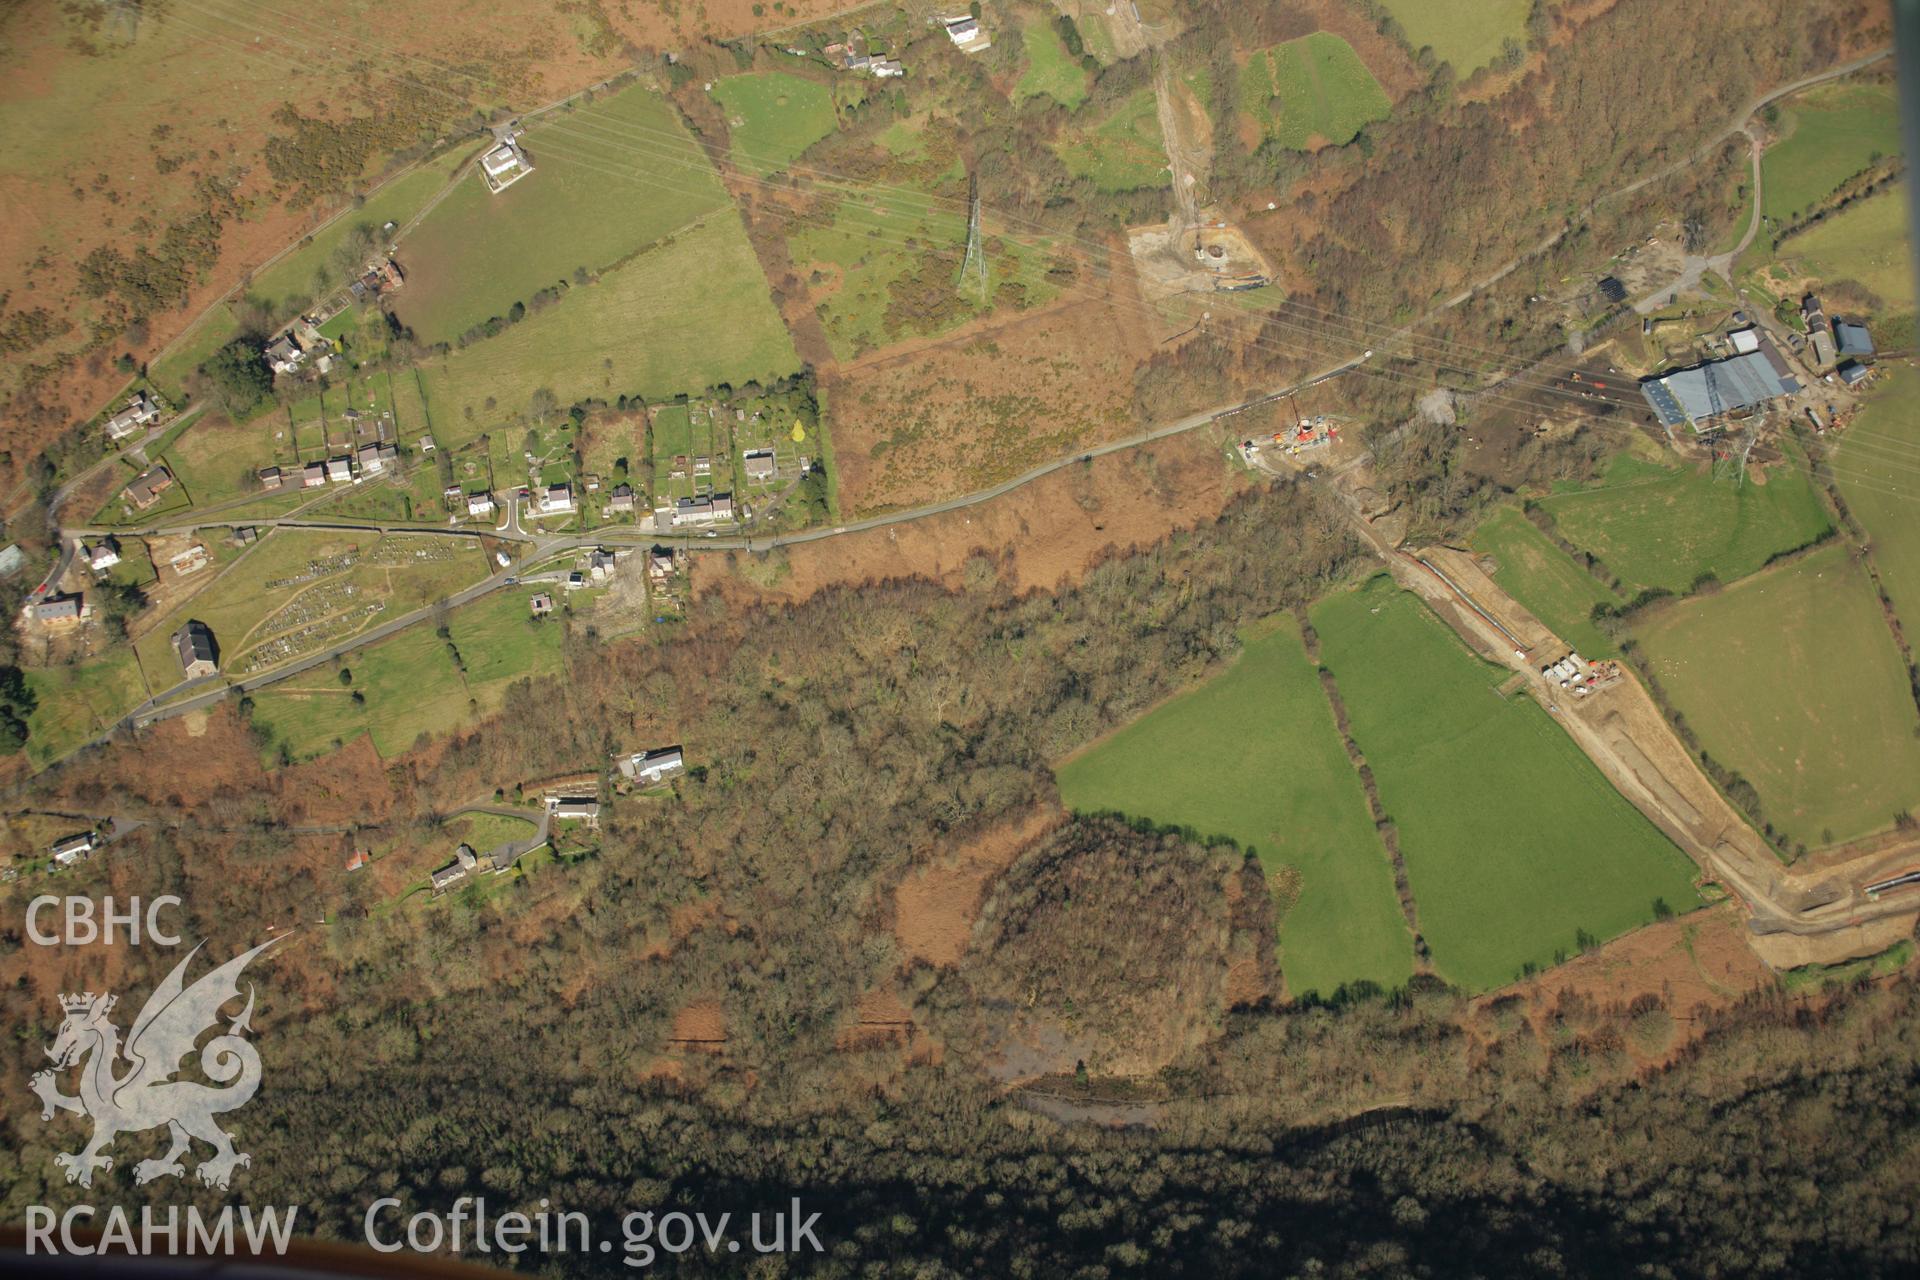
(1832, 133)
(690, 312)
(1515, 845)
(1791, 678)
(411, 683)
(888, 266)
(1253, 754)
(1875, 470)
(1467, 33)
(1546, 580)
(609, 179)
(1663, 527)
(773, 116)
(1051, 71)
(1311, 92)
(1123, 152)
(1866, 243)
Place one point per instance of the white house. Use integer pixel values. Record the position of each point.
(559, 498)
(503, 166)
(653, 766)
(480, 504)
(105, 555)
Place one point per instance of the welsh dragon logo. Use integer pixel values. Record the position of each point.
(145, 1095)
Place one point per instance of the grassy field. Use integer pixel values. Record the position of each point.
(78, 702)
(685, 315)
(1122, 152)
(609, 179)
(1514, 842)
(773, 116)
(1253, 754)
(882, 245)
(1657, 526)
(214, 330)
(307, 271)
(1792, 679)
(484, 831)
(1467, 33)
(1311, 91)
(1832, 133)
(410, 683)
(1050, 70)
(1876, 472)
(1867, 242)
(1545, 579)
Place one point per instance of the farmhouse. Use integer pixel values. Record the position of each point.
(139, 412)
(271, 478)
(63, 607)
(105, 554)
(68, 850)
(759, 464)
(621, 499)
(653, 766)
(559, 497)
(149, 485)
(503, 166)
(480, 504)
(313, 475)
(1707, 391)
(199, 655)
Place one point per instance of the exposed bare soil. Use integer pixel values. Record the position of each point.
(935, 906)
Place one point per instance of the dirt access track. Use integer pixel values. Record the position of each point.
(1820, 914)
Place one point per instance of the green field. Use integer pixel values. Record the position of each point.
(410, 682)
(773, 116)
(1467, 33)
(1663, 527)
(1877, 467)
(79, 702)
(484, 831)
(1253, 754)
(1123, 152)
(1051, 71)
(1514, 842)
(1545, 579)
(1867, 243)
(308, 271)
(1791, 679)
(890, 265)
(214, 330)
(1311, 92)
(687, 314)
(1832, 133)
(609, 179)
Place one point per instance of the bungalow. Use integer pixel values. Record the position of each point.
(62, 607)
(653, 766)
(270, 478)
(559, 497)
(340, 470)
(622, 498)
(759, 464)
(313, 475)
(194, 645)
(105, 554)
(480, 504)
(149, 485)
(139, 412)
(68, 850)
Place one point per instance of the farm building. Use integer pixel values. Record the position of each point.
(1744, 340)
(1852, 338)
(1693, 396)
(503, 166)
(194, 645)
(1853, 373)
(1824, 352)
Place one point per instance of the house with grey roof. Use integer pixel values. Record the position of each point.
(140, 410)
(1852, 339)
(194, 645)
(649, 767)
(62, 607)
